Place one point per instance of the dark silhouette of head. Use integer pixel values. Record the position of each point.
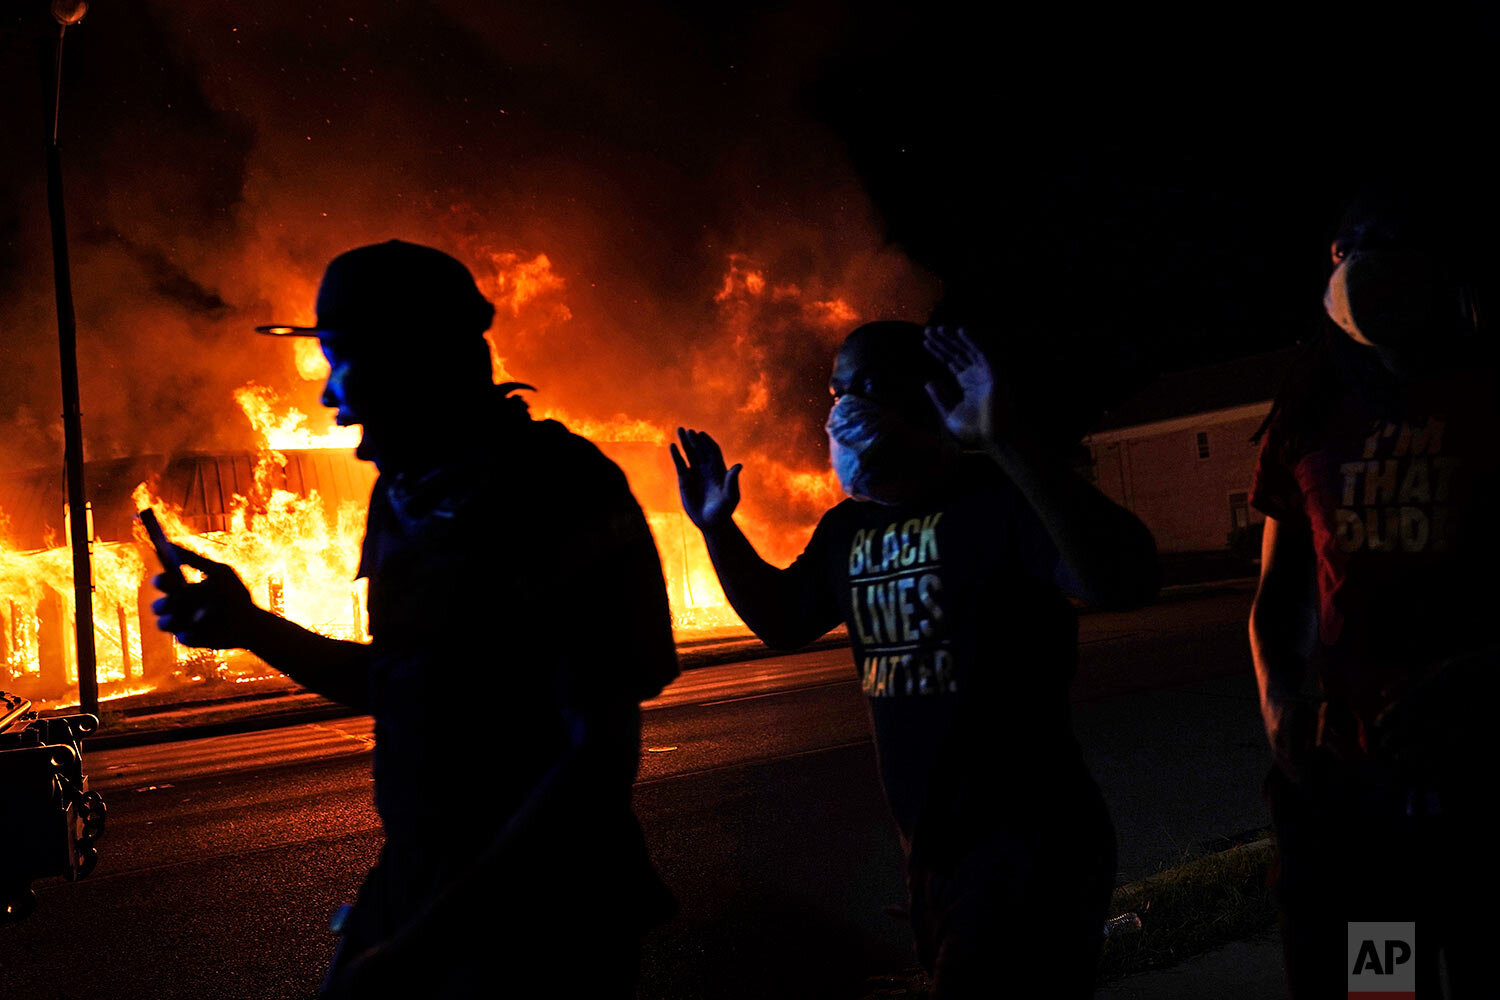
(1410, 213)
(402, 327)
(1410, 256)
(886, 363)
(1425, 246)
(886, 439)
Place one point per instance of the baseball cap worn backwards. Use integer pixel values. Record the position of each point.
(388, 292)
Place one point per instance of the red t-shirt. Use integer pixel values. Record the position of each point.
(1397, 497)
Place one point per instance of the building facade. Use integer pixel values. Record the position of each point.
(1188, 479)
(1179, 454)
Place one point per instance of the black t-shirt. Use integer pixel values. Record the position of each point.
(507, 592)
(963, 642)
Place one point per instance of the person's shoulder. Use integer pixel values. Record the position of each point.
(1329, 390)
(835, 525)
(1470, 383)
(846, 511)
(980, 475)
(574, 462)
(553, 438)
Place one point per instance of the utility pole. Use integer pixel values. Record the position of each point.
(66, 15)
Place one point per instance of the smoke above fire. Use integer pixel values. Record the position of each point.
(668, 236)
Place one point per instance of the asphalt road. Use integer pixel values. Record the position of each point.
(224, 857)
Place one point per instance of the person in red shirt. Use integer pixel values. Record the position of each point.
(1370, 629)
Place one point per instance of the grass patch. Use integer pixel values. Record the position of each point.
(1196, 905)
(1191, 908)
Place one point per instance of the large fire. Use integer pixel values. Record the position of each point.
(36, 600)
(298, 550)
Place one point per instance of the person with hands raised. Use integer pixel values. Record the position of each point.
(758, 591)
(711, 492)
(950, 564)
(1107, 553)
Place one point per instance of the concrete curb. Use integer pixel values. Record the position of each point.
(1252, 857)
(1232, 583)
(248, 723)
(1196, 906)
(1260, 850)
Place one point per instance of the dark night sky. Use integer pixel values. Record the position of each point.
(1139, 190)
(1168, 181)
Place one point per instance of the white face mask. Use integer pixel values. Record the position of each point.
(1394, 301)
(1336, 301)
(877, 454)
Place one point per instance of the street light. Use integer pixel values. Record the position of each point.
(67, 14)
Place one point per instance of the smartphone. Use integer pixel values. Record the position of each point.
(163, 548)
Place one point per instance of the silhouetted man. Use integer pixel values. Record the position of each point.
(1377, 472)
(518, 617)
(949, 568)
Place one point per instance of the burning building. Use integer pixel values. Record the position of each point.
(289, 519)
(288, 515)
(652, 263)
(288, 512)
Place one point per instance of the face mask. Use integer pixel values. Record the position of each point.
(1336, 301)
(1389, 300)
(877, 454)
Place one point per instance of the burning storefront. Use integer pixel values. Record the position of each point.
(290, 517)
(638, 285)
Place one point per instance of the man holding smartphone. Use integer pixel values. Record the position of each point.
(480, 517)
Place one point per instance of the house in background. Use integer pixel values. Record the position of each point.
(1179, 456)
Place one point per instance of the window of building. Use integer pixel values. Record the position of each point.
(1239, 510)
(1203, 444)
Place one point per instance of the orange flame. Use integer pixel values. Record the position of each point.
(30, 580)
(312, 366)
(297, 553)
(288, 428)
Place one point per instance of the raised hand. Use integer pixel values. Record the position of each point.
(710, 493)
(971, 417)
(215, 613)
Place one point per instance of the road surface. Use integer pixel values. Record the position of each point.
(225, 856)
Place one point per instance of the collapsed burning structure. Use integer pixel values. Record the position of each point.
(289, 517)
(687, 256)
(288, 514)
